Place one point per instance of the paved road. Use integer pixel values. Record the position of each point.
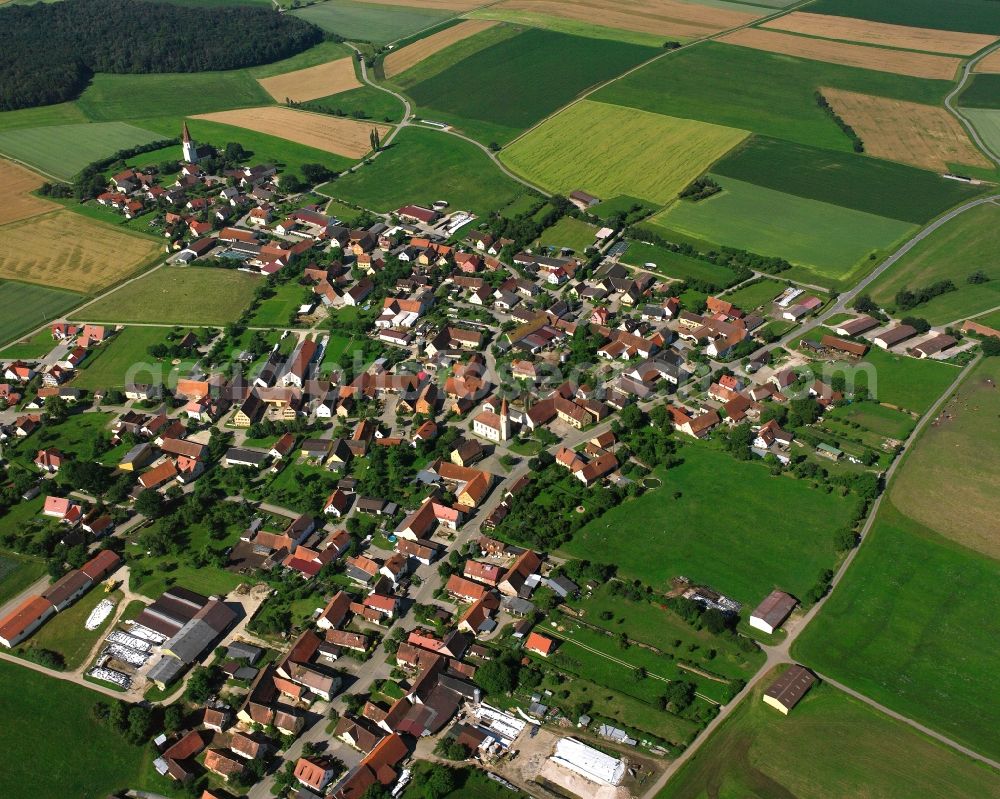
(32, 590)
(966, 71)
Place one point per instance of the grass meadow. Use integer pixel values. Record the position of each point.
(756, 295)
(26, 306)
(275, 311)
(757, 91)
(108, 365)
(538, 71)
(63, 150)
(569, 232)
(41, 116)
(370, 22)
(829, 240)
(462, 174)
(758, 753)
(913, 626)
(677, 265)
(777, 531)
(583, 147)
(966, 244)
(178, 295)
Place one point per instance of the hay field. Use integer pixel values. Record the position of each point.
(312, 82)
(880, 34)
(609, 150)
(662, 17)
(18, 184)
(65, 250)
(401, 60)
(926, 136)
(332, 134)
(918, 65)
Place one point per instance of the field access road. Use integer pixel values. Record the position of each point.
(781, 653)
(957, 113)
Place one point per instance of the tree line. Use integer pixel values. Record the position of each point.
(50, 51)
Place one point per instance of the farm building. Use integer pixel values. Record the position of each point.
(589, 762)
(933, 345)
(893, 336)
(787, 691)
(772, 612)
(855, 327)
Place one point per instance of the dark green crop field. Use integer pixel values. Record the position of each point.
(972, 16)
(982, 92)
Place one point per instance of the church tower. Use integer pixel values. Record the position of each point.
(504, 421)
(188, 146)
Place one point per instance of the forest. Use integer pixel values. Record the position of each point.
(51, 50)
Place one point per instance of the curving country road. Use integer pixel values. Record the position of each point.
(956, 112)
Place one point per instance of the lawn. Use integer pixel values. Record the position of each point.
(756, 295)
(913, 626)
(35, 346)
(829, 240)
(83, 757)
(542, 69)
(178, 295)
(370, 22)
(965, 245)
(893, 190)
(277, 311)
(757, 91)
(63, 150)
(26, 306)
(66, 634)
(971, 16)
(461, 174)
(124, 359)
(759, 753)
(960, 458)
(17, 573)
(569, 232)
(677, 265)
(744, 553)
(583, 147)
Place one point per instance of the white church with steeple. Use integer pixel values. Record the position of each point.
(493, 426)
(188, 146)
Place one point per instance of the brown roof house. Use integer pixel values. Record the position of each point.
(770, 614)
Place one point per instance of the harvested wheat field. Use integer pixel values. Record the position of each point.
(401, 60)
(19, 203)
(918, 65)
(922, 135)
(69, 251)
(346, 137)
(990, 63)
(662, 17)
(881, 34)
(323, 80)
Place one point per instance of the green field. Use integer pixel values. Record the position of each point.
(623, 204)
(66, 634)
(63, 150)
(27, 306)
(879, 419)
(965, 245)
(757, 91)
(583, 147)
(656, 537)
(365, 102)
(983, 91)
(986, 121)
(677, 265)
(911, 627)
(35, 346)
(370, 22)
(178, 295)
(542, 69)
(759, 754)
(473, 784)
(569, 232)
(571, 26)
(972, 16)
(275, 311)
(462, 174)
(17, 573)
(83, 758)
(756, 295)
(892, 190)
(438, 62)
(829, 240)
(107, 366)
(59, 114)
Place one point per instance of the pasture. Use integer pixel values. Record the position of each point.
(569, 232)
(893, 190)
(467, 93)
(403, 59)
(53, 717)
(27, 306)
(759, 753)
(64, 250)
(371, 22)
(19, 202)
(582, 147)
(829, 240)
(346, 137)
(880, 34)
(964, 245)
(973, 16)
(63, 150)
(900, 62)
(657, 537)
(758, 91)
(925, 136)
(311, 83)
(462, 174)
(178, 295)
(957, 455)
(115, 97)
(677, 265)
(911, 627)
